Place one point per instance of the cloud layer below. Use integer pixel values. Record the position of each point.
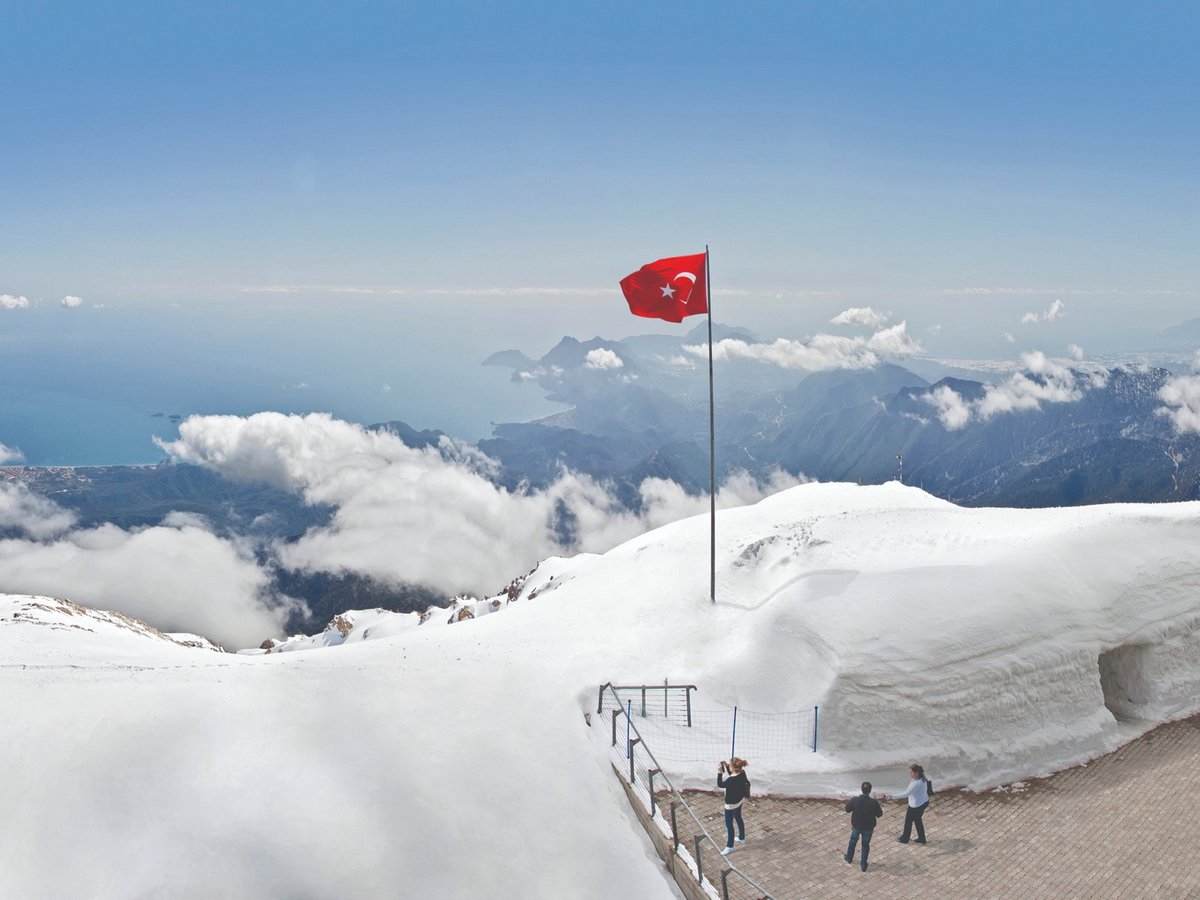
(1042, 381)
(177, 576)
(1181, 402)
(428, 516)
(821, 352)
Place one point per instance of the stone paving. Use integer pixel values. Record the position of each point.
(1125, 825)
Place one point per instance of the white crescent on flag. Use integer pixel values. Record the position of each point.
(691, 278)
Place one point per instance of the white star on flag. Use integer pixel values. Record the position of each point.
(668, 291)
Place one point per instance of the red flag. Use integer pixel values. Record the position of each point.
(668, 288)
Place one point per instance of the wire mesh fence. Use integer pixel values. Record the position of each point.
(636, 761)
(680, 733)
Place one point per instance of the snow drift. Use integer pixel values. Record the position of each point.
(450, 757)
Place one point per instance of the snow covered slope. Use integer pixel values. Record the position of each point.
(450, 758)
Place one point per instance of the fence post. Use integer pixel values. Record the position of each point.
(674, 829)
(628, 716)
(614, 726)
(653, 805)
(733, 741)
(688, 693)
(725, 883)
(699, 863)
(632, 774)
(814, 729)
(666, 691)
(643, 701)
(600, 698)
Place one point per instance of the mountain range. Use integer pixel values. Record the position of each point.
(638, 408)
(1107, 443)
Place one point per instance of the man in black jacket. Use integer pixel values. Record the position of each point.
(864, 812)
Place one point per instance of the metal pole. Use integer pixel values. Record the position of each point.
(699, 862)
(643, 701)
(712, 442)
(628, 716)
(814, 729)
(688, 693)
(666, 691)
(733, 742)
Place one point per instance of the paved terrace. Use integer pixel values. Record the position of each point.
(1125, 825)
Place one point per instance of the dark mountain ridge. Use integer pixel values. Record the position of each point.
(649, 418)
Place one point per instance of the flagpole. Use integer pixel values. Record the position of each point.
(712, 444)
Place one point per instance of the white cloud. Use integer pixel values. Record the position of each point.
(177, 576)
(387, 388)
(952, 410)
(1052, 313)
(8, 301)
(71, 302)
(1054, 384)
(1046, 382)
(10, 455)
(1076, 352)
(666, 501)
(860, 315)
(821, 352)
(1181, 396)
(602, 358)
(893, 342)
(428, 516)
(34, 516)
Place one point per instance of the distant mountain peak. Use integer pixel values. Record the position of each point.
(508, 359)
(699, 334)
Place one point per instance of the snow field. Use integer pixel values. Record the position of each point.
(452, 760)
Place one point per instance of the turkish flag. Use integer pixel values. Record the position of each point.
(668, 288)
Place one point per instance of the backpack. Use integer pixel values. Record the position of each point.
(929, 788)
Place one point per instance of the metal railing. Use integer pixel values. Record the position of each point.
(684, 734)
(640, 768)
(676, 699)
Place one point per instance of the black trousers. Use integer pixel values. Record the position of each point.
(911, 818)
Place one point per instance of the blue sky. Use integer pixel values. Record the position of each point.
(958, 164)
(852, 146)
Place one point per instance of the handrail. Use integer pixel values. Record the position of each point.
(679, 798)
(687, 688)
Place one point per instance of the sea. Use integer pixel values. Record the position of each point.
(96, 389)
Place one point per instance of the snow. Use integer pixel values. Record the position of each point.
(450, 757)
